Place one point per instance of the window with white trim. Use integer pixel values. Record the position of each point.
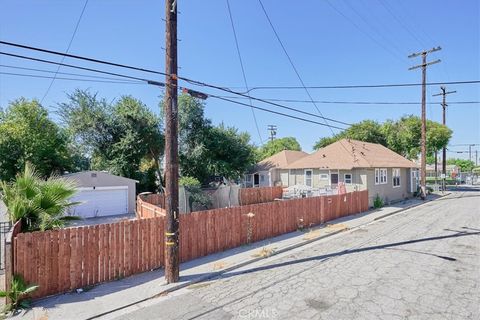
(381, 176)
(347, 178)
(323, 176)
(396, 177)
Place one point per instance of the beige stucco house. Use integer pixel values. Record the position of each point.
(359, 166)
(272, 171)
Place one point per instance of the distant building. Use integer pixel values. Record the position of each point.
(452, 170)
(268, 172)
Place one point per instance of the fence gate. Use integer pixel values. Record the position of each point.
(5, 227)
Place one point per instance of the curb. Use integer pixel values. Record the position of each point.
(409, 207)
(253, 260)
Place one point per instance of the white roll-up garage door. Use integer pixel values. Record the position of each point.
(100, 202)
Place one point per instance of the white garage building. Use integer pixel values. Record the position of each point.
(102, 194)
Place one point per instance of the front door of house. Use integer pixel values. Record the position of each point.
(334, 179)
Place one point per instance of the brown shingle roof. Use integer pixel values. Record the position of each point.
(347, 154)
(280, 160)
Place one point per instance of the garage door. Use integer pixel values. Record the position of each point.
(100, 202)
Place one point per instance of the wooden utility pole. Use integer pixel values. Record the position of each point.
(424, 65)
(444, 122)
(172, 260)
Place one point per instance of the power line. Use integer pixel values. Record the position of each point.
(291, 61)
(199, 83)
(64, 73)
(158, 83)
(386, 85)
(74, 66)
(275, 112)
(72, 79)
(298, 74)
(243, 69)
(357, 102)
(194, 82)
(374, 28)
(66, 51)
(364, 32)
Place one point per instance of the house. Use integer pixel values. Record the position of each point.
(273, 171)
(359, 166)
(102, 194)
(452, 170)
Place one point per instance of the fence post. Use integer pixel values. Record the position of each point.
(10, 256)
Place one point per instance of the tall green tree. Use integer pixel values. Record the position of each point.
(124, 138)
(402, 136)
(206, 150)
(274, 146)
(27, 134)
(367, 130)
(463, 164)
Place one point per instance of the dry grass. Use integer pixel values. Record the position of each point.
(264, 252)
(219, 265)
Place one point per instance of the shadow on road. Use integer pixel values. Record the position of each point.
(350, 251)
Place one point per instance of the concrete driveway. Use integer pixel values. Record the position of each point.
(420, 264)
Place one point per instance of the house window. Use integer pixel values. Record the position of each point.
(262, 178)
(380, 176)
(347, 178)
(323, 176)
(308, 178)
(396, 177)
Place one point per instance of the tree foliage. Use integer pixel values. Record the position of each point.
(463, 164)
(402, 136)
(206, 150)
(274, 146)
(28, 135)
(124, 138)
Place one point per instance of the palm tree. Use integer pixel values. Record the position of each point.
(40, 204)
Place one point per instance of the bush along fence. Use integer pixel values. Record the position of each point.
(66, 259)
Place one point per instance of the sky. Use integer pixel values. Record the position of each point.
(334, 42)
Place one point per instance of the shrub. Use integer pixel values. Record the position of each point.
(378, 202)
(18, 290)
(40, 204)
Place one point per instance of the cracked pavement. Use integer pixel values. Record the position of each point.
(423, 263)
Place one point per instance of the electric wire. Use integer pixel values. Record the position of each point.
(194, 82)
(66, 51)
(243, 69)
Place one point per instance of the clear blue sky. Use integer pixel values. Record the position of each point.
(365, 44)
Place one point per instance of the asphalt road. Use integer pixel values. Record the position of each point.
(420, 264)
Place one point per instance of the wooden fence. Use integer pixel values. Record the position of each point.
(66, 259)
(259, 195)
(150, 206)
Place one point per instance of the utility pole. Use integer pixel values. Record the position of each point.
(424, 66)
(273, 131)
(444, 122)
(172, 260)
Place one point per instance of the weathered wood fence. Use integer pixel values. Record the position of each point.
(66, 259)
